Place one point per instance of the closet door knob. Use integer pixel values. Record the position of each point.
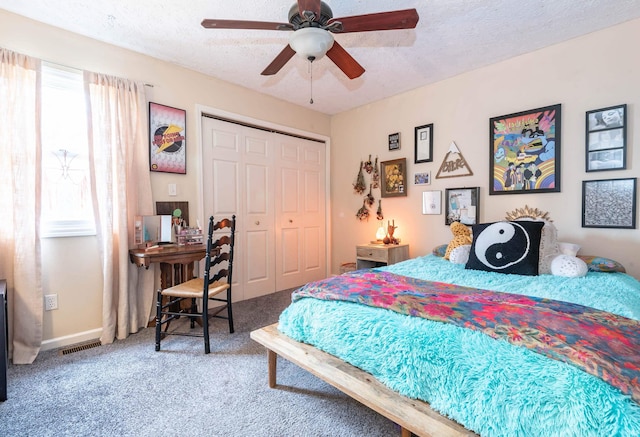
(290, 221)
(257, 222)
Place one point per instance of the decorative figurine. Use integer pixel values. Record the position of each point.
(390, 239)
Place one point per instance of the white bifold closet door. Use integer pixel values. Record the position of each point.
(275, 184)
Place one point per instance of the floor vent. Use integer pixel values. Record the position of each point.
(80, 347)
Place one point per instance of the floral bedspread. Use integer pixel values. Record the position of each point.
(600, 343)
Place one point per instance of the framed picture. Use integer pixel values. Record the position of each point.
(525, 152)
(423, 178)
(394, 176)
(167, 139)
(462, 205)
(394, 141)
(424, 143)
(609, 203)
(432, 202)
(606, 138)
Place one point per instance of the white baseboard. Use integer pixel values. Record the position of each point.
(67, 340)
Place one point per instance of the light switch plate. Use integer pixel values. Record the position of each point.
(173, 190)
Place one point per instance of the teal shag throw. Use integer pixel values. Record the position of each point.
(489, 386)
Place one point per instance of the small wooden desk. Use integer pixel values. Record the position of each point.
(176, 262)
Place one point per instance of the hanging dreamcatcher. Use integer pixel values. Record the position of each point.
(363, 213)
(360, 185)
(376, 175)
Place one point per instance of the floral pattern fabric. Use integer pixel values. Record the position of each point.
(600, 343)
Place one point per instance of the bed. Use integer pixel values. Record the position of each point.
(465, 349)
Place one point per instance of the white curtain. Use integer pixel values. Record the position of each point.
(20, 262)
(121, 189)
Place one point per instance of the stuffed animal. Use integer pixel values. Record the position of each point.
(461, 236)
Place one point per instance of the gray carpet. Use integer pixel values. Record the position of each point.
(128, 389)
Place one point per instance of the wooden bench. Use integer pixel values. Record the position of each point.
(412, 415)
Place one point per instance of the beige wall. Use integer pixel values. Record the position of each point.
(583, 74)
(591, 72)
(71, 265)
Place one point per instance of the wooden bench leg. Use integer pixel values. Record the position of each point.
(272, 358)
(406, 432)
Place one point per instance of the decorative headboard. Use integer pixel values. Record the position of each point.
(530, 213)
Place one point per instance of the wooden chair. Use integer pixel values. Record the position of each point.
(209, 288)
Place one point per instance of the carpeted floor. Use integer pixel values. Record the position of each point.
(128, 389)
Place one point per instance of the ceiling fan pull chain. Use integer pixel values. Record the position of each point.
(311, 81)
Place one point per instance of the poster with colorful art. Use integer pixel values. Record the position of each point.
(167, 139)
(525, 152)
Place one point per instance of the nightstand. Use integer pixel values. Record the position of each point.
(377, 255)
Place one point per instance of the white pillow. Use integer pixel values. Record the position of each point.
(460, 255)
(568, 266)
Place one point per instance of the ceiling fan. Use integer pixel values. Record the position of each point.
(312, 24)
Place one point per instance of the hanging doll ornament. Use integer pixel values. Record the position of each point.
(360, 186)
(368, 166)
(363, 213)
(368, 199)
(379, 215)
(376, 175)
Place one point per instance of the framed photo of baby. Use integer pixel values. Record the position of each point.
(525, 151)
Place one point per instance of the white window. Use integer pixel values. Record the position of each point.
(67, 208)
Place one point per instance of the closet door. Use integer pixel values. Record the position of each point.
(238, 179)
(300, 212)
(275, 184)
(257, 193)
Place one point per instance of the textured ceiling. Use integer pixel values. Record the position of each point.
(452, 36)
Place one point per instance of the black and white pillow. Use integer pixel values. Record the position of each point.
(506, 247)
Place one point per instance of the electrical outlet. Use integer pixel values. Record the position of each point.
(50, 302)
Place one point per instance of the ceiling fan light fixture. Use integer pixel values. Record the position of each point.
(311, 43)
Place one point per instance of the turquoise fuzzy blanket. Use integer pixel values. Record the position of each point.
(489, 386)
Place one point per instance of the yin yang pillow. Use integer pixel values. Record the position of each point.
(506, 247)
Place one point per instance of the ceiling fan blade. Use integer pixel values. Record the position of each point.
(309, 5)
(345, 61)
(242, 24)
(279, 62)
(402, 19)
